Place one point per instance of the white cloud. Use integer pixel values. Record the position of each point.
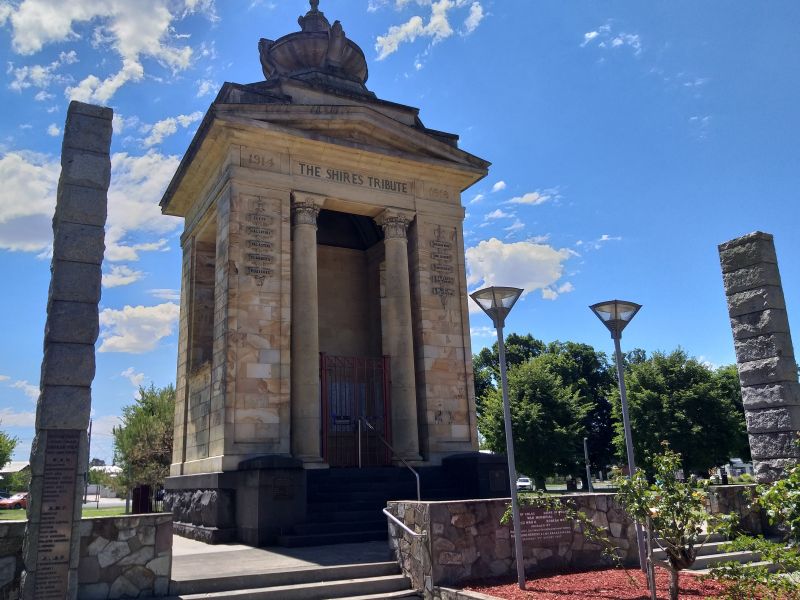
(515, 226)
(137, 329)
(43, 96)
(136, 379)
(134, 30)
(520, 264)
(605, 38)
(534, 198)
(167, 127)
(41, 76)
(11, 418)
(482, 332)
(497, 214)
(137, 183)
(599, 242)
(499, 186)
(30, 390)
(165, 294)
(53, 130)
(4, 377)
(121, 275)
(474, 18)
(26, 226)
(477, 198)
(206, 87)
(437, 28)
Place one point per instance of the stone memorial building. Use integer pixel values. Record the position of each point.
(323, 290)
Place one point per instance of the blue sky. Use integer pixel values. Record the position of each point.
(628, 139)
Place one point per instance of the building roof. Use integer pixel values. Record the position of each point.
(14, 466)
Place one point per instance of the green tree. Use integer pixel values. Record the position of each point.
(7, 445)
(143, 442)
(486, 363)
(677, 399)
(547, 420)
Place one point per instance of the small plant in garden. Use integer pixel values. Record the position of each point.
(676, 509)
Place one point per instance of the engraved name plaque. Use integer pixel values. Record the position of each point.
(58, 504)
(544, 527)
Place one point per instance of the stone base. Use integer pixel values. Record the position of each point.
(208, 535)
(264, 498)
(479, 475)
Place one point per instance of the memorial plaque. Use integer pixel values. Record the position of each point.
(58, 505)
(544, 527)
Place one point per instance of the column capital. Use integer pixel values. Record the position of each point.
(394, 222)
(305, 208)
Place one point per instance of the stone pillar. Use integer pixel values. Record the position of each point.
(305, 398)
(59, 454)
(398, 336)
(764, 352)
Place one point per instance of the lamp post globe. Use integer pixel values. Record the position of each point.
(497, 302)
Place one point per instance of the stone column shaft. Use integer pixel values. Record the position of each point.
(59, 453)
(305, 398)
(764, 351)
(398, 336)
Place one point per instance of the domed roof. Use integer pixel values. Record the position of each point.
(318, 47)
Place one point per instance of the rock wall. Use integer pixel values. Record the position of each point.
(466, 540)
(724, 499)
(12, 534)
(120, 557)
(764, 351)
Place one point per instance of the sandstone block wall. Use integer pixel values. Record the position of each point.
(764, 352)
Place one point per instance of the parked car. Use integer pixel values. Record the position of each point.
(15, 501)
(524, 484)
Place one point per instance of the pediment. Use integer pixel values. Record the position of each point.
(355, 126)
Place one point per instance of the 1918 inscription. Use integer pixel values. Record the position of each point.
(58, 505)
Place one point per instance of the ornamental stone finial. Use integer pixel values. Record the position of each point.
(314, 5)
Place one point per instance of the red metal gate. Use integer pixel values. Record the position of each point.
(352, 389)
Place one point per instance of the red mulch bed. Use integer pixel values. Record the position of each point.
(612, 584)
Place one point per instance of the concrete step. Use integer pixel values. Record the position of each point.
(325, 539)
(343, 515)
(710, 560)
(322, 590)
(402, 595)
(197, 584)
(771, 567)
(709, 548)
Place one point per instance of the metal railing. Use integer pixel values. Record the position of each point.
(389, 446)
(403, 525)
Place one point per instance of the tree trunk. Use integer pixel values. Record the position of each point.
(673, 584)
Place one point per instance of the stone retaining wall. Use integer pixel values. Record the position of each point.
(120, 557)
(467, 542)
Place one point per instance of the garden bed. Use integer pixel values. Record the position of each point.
(610, 584)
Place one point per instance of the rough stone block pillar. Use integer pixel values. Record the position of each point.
(764, 351)
(59, 454)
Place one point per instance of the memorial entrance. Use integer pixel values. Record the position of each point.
(323, 297)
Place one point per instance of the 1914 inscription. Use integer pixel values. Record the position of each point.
(544, 527)
(58, 505)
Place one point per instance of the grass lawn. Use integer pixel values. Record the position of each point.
(21, 515)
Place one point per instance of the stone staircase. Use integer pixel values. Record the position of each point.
(368, 581)
(713, 554)
(344, 505)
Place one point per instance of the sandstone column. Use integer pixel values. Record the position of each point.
(764, 352)
(59, 454)
(398, 338)
(305, 398)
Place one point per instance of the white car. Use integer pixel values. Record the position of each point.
(524, 484)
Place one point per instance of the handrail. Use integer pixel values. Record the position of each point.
(403, 525)
(394, 454)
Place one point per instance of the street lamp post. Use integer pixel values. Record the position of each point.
(615, 315)
(497, 302)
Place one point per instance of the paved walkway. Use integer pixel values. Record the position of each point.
(191, 558)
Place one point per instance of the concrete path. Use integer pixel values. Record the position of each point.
(191, 559)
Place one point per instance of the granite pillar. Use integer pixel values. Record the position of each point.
(764, 352)
(305, 400)
(398, 337)
(59, 454)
